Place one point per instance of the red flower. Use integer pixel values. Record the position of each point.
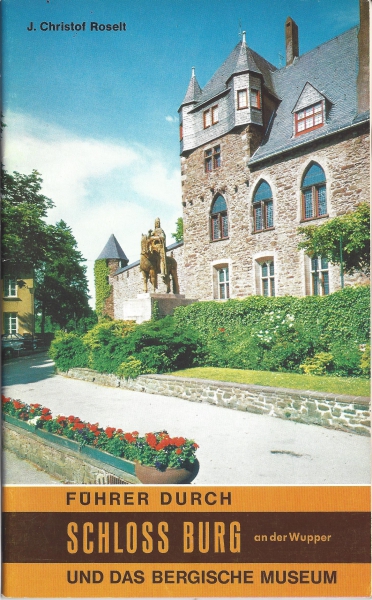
(109, 431)
(179, 441)
(96, 433)
(129, 437)
(179, 451)
(46, 417)
(71, 418)
(195, 445)
(78, 426)
(45, 411)
(18, 404)
(35, 405)
(151, 440)
(94, 427)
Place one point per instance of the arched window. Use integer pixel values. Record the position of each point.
(219, 221)
(263, 215)
(314, 197)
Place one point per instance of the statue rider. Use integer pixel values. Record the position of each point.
(157, 242)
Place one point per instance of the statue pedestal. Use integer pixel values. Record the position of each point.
(145, 306)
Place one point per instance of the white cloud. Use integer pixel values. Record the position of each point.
(171, 119)
(99, 187)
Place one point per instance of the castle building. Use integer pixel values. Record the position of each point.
(264, 151)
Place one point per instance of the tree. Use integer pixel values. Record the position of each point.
(178, 235)
(30, 245)
(61, 290)
(351, 231)
(25, 238)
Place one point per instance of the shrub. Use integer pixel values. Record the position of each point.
(106, 345)
(130, 368)
(68, 350)
(365, 362)
(161, 346)
(317, 365)
(346, 359)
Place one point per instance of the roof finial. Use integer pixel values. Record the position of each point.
(243, 39)
(192, 71)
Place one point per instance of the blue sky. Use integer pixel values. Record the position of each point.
(96, 112)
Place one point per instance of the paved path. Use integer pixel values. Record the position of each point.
(235, 447)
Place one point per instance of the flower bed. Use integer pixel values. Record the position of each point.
(158, 449)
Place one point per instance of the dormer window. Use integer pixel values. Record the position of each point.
(242, 99)
(210, 116)
(255, 98)
(309, 118)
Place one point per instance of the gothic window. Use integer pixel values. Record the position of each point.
(212, 159)
(309, 118)
(314, 197)
(263, 215)
(219, 220)
(319, 276)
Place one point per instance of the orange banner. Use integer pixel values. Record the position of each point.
(182, 580)
(186, 498)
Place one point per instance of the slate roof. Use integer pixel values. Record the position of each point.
(113, 250)
(241, 59)
(332, 69)
(193, 91)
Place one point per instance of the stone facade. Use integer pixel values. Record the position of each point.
(250, 125)
(346, 164)
(347, 413)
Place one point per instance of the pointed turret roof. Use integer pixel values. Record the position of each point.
(113, 250)
(241, 59)
(193, 91)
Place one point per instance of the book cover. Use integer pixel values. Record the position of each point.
(171, 151)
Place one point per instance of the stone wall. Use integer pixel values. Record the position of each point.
(129, 282)
(61, 463)
(347, 413)
(345, 161)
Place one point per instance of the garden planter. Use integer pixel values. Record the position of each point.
(19, 423)
(114, 461)
(152, 475)
(57, 439)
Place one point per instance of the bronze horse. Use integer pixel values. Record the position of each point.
(150, 267)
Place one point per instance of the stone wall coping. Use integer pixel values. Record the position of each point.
(345, 399)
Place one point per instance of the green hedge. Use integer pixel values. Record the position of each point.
(280, 334)
(127, 349)
(323, 334)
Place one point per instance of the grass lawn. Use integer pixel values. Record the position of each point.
(336, 385)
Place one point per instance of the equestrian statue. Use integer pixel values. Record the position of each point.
(154, 261)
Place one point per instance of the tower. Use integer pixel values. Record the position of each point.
(108, 262)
